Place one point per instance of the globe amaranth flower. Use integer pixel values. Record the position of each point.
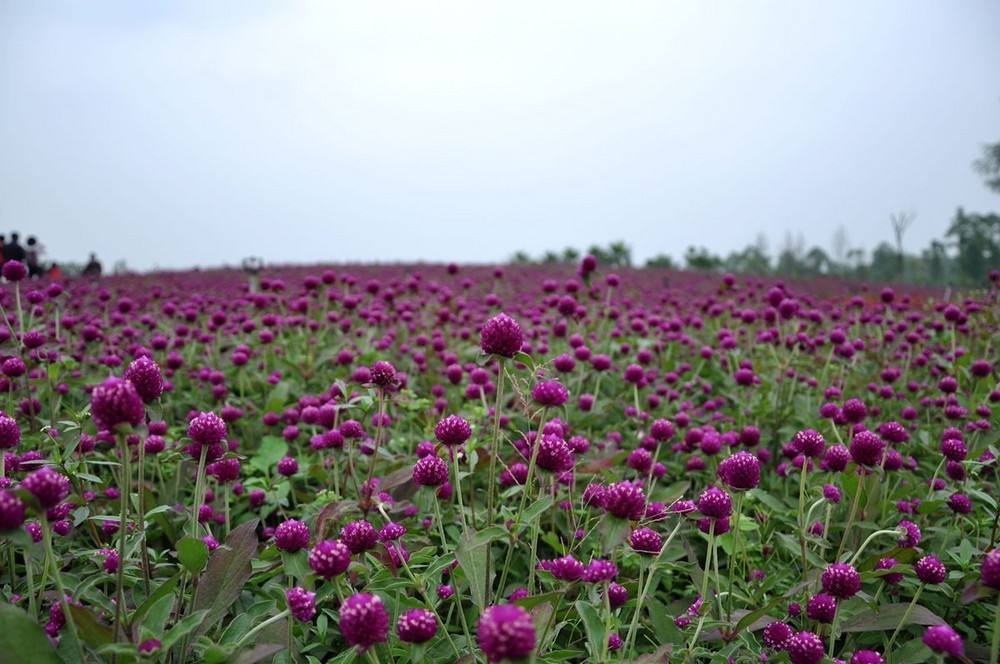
(566, 568)
(617, 594)
(291, 536)
(867, 657)
(502, 336)
(383, 374)
(416, 626)
(301, 603)
(911, 535)
(453, 431)
(359, 536)
(715, 503)
(147, 378)
(805, 648)
(600, 570)
(821, 608)
(959, 503)
(645, 540)
(48, 486)
(329, 558)
(364, 621)
(888, 563)
(10, 432)
(115, 402)
(930, 570)
(945, 640)
(777, 634)
(430, 471)
(207, 429)
(831, 493)
(287, 466)
(741, 471)
(836, 458)
(809, 442)
(554, 454)
(12, 510)
(549, 393)
(841, 580)
(14, 270)
(867, 448)
(505, 631)
(625, 500)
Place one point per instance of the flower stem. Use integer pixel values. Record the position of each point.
(258, 627)
(50, 556)
(703, 611)
(126, 491)
(850, 518)
(906, 616)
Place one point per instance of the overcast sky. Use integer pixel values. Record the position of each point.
(196, 133)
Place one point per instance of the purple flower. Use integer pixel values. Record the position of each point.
(889, 563)
(566, 568)
(867, 657)
(821, 608)
(841, 580)
(912, 536)
(505, 631)
(740, 471)
(715, 503)
(645, 540)
(604, 570)
(809, 442)
(867, 448)
(383, 374)
(10, 432)
(359, 536)
(943, 639)
(617, 594)
(287, 466)
(430, 471)
(501, 335)
(836, 458)
(805, 648)
(14, 270)
(364, 621)
(453, 431)
(549, 393)
(329, 558)
(416, 626)
(625, 500)
(147, 378)
(989, 571)
(11, 511)
(48, 486)
(291, 536)
(554, 454)
(115, 402)
(776, 635)
(930, 570)
(831, 493)
(207, 429)
(301, 603)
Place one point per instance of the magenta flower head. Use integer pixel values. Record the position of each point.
(715, 503)
(889, 563)
(430, 471)
(867, 448)
(741, 471)
(831, 493)
(505, 631)
(989, 571)
(645, 540)
(809, 442)
(359, 536)
(48, 486)
(625, 500)
(383, 374)
(867, 657)
(600, 570)
(291, 536)
(841, 580)
(777, 634)
(207, 429)
(945, 640)
(11, 511)
(661, 430)
(836, 458)
(554, 454)
(145, 374)
(821, 608)
(329, 558)
(416, 626)
(910, 536)
(805, 648)
(549, 393)
(502, 336)
(14, 270)
(930, 570)
(453, 431)
(566, 568)
(364, 621)
(10, 432)
(114, 402)
(301, 603)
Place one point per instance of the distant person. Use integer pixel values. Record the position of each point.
(3, 242)
(33, 257)
(13, 251)
(54, 271)
(93, 267)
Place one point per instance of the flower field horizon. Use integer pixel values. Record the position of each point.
(458, 463)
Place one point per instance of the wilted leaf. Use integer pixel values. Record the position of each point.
(228, 570)
(889, 617)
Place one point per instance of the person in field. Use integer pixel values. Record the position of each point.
(13, 251)
(33, 257)
(93, 267)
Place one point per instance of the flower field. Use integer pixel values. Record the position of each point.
(487, 464)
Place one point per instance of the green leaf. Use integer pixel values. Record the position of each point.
(163, 590)
(22, 639)
(473, 552)
(596, 633)
(228, 570)
(535, 510)
(192, 553)
(889, 616)
(92, 631)
(269, 452)
(182, 629)
(260, 653)
(755, 615)
(296, 564)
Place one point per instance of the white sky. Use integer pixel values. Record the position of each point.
(181, 133)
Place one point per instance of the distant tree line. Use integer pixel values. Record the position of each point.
(964, 257)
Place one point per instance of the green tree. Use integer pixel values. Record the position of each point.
(699, 258)
(976, 239)
(989, 165)
(661, 260)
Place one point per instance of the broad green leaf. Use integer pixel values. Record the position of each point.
(22, 639)
(228, 570)
(192, 554)
(183, 627)
(473, 552)
(92, 631)
(889, 616)
(596, 632)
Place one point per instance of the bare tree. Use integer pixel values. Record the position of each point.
(900, 222)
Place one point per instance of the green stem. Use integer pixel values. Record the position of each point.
(258, 627)
(50, 556)
(906, 616)
(199, 491)
(458, 489)
(126, 491)
(704, 590)
(850, 518)
(864, 545)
